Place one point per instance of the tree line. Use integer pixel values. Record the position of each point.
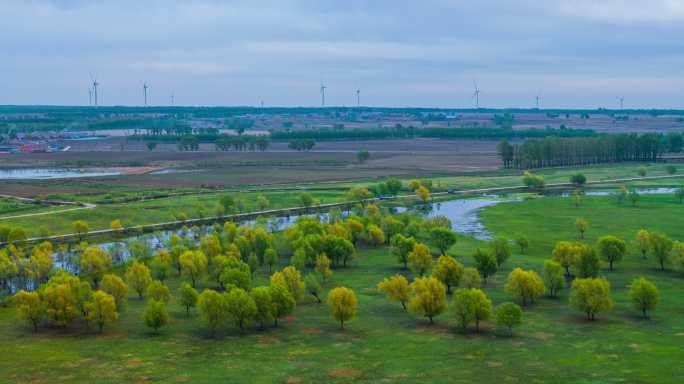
(402, 132)
(567, 151)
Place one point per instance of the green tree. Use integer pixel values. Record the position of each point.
(187, 296)
(679, 194)
(578, 179)
(313, 286)
(362, 155)
(393, 186)
(661, 246)
(270, 258)
(633, 196)
(262, 202)
(508, 315)
(306, 199)
(101, 309)
(642, 171)
(553, 277)
(428, 297)
(448, 271)
(591, 296)
(282, 300)
(501, 250)
(322, 266)
(644, 295)
(240, 307)
(442, 238)
(212, 308)
(155, 315)
(401, 247)
(485, 262)
(396, 288)
(522, 242)
(263, 304)
(611, 249)
(343, 304)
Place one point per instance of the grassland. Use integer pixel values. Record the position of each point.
(108, 194)
(385, 344)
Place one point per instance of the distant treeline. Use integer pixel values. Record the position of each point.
(566, 151)
(400, 131)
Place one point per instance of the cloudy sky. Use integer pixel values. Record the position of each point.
(572, 53)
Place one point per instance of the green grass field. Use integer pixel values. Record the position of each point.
(385, 344)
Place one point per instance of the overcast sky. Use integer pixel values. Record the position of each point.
(572, 53)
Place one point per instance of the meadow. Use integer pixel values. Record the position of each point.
(386, 344)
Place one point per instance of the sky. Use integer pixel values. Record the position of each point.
(399, 53)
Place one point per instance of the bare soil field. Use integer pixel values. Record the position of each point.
(329, 161)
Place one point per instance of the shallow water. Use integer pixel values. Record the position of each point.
(52, 173)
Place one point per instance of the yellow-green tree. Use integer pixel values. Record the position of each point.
(471, 278)
(343, 304)
(376, 236)
(116, 225)
(158, 291)
(448, 271)
(581, 225)
(115, 286)
(81, 228)
(420, 259)
(101, 309)
(428, 297)
(193, 264)
(138, 277)
(552, 274)
(40, 264)
(423, 194)
(291, 279)
(95, 262)
(323, 266)
(187, 296)
(644, 295)
(643, 241)
(30, 307)
(471, 305)
(591, 296)
(661, 246)
(61, 304)
(262, 202)
(565, 253)
(396, 288)
(525, 286)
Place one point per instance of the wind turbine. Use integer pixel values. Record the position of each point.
(145, 87)
(358, 97)
(622, 102)
(536, 101)
(323, 87)
(173, 98)
(476, 95)
(90, 96)
(95, 85)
